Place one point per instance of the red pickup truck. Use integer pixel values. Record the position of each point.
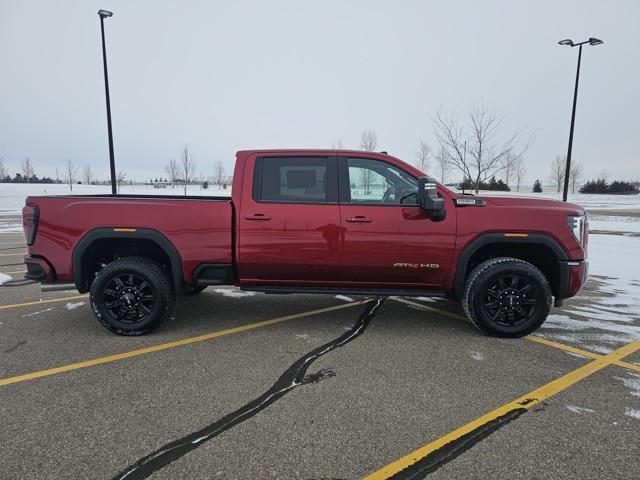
(312, 221)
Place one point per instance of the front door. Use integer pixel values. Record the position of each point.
(388, 240)
(289, 222)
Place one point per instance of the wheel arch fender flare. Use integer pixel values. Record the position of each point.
(500, 238)
(101, 233)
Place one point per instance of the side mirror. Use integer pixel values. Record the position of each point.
(428, 199)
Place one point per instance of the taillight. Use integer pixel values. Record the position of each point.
(30, 216)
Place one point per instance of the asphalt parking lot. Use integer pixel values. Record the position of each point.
(252, 386)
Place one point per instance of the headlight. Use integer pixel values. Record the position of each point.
(577, 226)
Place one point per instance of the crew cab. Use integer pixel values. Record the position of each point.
(312, 221)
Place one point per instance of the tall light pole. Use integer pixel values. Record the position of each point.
(105, 14)
(568, 42)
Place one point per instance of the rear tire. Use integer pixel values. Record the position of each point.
(131, 296)
(507, 297)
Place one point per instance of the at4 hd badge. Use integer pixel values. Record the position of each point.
(417, 265)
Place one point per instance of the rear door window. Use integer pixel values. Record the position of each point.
(295, 180)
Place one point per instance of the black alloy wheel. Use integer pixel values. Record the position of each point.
(128, 298)
(132, 295)
(510, 300)
(507, 297)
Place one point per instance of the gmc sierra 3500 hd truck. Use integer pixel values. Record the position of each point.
(312, 221)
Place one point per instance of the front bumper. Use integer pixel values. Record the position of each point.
(573, 276)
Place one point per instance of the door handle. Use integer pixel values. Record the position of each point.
(258, 216)
(359, 219)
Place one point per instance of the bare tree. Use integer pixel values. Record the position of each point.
(218, 173)
(422, 156)
(120, 178)
(557, 172)
(187, 166)
(575, 175)
(27, 169)
(368, 140)
(87, 174)
(473, 148)
(510, 162)
(520, 171)
(366, 177)
(444, 167)
(3, 169)
(338, 144)
(70, 173)
(172, 170)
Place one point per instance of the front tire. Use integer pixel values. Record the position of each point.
(131, 296)
(507, 297)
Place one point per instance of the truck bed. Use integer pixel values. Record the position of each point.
(199, 227)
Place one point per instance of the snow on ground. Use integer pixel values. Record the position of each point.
(614, 223)
(632, 382)
(5, 278)
(38, 313)
(13, 195)
(588, 201)
(73, 305)
(345, 298)
(233, 292)
(579, 410)
(477, 356)
(632, 412)
(609, 315)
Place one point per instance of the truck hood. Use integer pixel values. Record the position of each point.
(537, 203)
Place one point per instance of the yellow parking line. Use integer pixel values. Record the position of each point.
(540, 340)
(524, 402)
(13, 254)
(166, 346)
(46, 300)
(18, 271)
(579, 351)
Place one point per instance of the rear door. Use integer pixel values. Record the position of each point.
(289, 221)
(388, 240)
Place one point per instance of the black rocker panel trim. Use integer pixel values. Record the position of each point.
(214, 274)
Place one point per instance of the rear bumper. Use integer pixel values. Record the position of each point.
(573, 275)
(39, 269)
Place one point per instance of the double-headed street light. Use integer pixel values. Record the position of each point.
(568, 42)
(105, 14)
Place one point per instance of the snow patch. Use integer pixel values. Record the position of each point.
(428, 299)
(5, 278)
(632, 382)
(13, 228)
(599, 349)
(477, 356)
(38, 313)
(73, 305)
(228, 292)
(579, 410)
(632, 412)
(345, 298)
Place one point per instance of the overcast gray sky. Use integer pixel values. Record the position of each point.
(224, 76)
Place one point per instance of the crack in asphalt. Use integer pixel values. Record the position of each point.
(293, 377)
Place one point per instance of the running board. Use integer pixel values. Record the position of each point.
(386, 292)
